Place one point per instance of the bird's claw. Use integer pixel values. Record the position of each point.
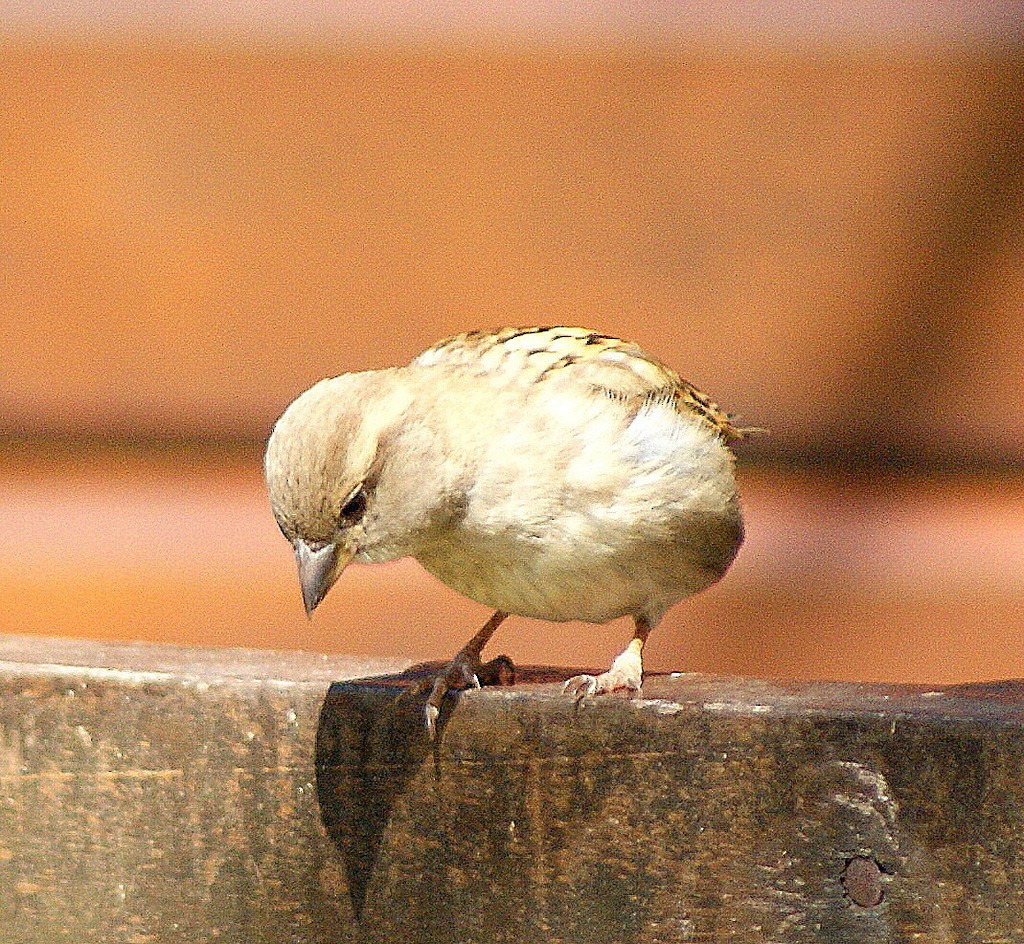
(432, 709)
(586, 686)
(431, 712)
(461, 673)
(580, 687)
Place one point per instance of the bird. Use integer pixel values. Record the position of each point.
(548, 472)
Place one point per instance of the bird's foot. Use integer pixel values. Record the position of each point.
(465, 671)
(625, 674)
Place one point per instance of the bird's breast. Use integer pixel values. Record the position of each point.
(576, 508)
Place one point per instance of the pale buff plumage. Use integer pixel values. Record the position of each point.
(547, 472)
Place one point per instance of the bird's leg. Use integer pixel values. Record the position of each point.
(464, 670)
(626, 670)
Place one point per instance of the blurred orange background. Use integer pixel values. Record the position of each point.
(823, 229)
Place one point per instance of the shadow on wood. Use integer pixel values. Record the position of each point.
(371, 741)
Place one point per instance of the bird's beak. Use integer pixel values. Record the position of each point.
(319, 570)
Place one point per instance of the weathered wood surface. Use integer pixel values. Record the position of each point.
(172, 795)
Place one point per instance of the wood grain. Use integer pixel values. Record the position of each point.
(174, 795)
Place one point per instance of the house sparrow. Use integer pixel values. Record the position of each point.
(555, 473)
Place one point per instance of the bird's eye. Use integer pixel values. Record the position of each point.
(354, 507)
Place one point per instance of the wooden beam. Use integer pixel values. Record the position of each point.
(176, 795)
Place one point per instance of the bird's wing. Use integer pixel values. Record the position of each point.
(618, 369)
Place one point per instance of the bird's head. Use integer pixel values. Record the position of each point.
(324, 464)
